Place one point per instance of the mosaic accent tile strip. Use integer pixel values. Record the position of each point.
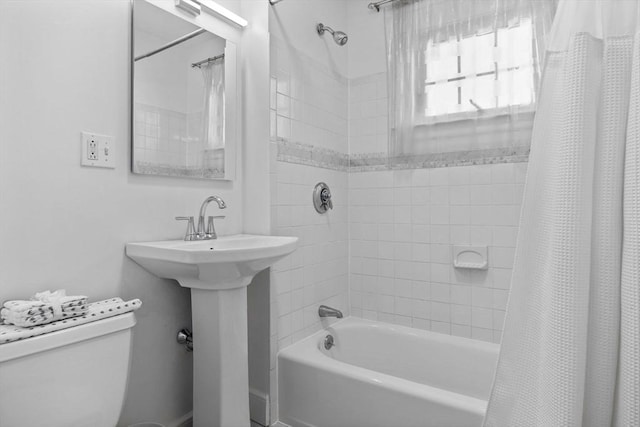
(380, 161)
(147, 168)
(305, 154)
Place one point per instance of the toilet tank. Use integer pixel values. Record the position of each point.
(75, 377)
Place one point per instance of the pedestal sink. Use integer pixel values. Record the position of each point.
(218, 273)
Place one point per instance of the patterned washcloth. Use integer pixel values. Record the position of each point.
(97, 311)
(27, 307)
(66, 303)
(29, 317)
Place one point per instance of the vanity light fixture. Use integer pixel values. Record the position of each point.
(214, 8)
(188, 6)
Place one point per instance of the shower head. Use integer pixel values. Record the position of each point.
(338, 36)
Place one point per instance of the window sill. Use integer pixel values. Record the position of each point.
(525, 111)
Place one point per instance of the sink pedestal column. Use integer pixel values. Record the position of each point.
(220, 357)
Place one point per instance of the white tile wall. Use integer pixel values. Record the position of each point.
(308, 106)
(368, 104)
(402, 227)
(158, 134)
(308, 100)
(317, 272)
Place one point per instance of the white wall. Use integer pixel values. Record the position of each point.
(65, 69)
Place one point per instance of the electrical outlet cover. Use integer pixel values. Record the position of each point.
(97, 150)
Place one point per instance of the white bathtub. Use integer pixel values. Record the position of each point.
(382, 375)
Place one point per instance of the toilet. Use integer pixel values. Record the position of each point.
(75, 377)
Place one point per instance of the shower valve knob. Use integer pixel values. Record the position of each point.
(322, 198)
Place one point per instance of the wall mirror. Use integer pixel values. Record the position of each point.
(184, 97)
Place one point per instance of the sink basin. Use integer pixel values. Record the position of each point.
(218, 273)
(225, 263)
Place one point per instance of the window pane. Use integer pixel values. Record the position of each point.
(443, 69)
(483, 48)
(442, 98)
(516, 87)
(504, 60)
(482, 91)
(442, 61)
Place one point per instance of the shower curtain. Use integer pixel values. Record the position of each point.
(570, 351)
(463, 74)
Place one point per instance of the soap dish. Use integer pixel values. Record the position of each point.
(470, 257)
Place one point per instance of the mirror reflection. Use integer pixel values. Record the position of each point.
(178, 97)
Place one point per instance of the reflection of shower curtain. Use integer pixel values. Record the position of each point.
(570, 351)
(213, 111)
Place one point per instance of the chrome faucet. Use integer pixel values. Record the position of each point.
(210, 233)
(325, 311)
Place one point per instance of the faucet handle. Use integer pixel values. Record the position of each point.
(211, 229)
(190, 234)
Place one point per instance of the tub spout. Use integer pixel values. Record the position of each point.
(325, 311)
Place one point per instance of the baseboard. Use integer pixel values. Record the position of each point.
(259, 406)
(184, 421)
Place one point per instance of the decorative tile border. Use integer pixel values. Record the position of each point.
(380, 161)
(305, 154)
(148, 168)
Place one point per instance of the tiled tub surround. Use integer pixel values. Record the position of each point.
(384, 251)
(402, 226)
(309, 144)
(317, 272)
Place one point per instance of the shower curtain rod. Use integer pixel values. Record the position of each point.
(172, 44)
(206, 61)
(377, 4)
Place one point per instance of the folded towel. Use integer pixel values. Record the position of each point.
(76, 302)
(59, 297)
(27, 307)
(25, 320)
(97, 311)
(47, 307)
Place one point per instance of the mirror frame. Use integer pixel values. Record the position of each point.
(232, 96)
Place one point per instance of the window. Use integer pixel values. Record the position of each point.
(489, 73)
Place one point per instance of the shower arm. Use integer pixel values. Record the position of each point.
(272, 2)
(375, 5)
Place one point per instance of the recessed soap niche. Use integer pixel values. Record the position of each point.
(470, 257)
